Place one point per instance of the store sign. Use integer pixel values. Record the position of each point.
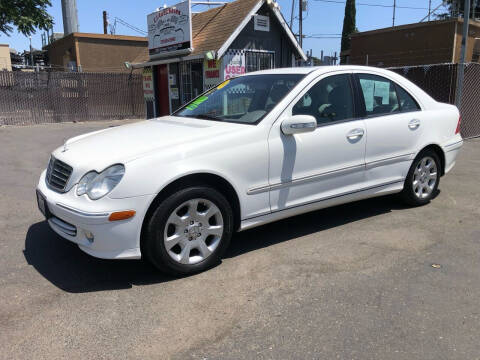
(211, 73)
(233, 64)
(170, 31)
(147, 78)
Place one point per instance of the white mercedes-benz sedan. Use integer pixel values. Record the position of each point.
(254, 149)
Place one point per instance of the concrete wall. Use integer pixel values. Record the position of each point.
(5, 63)
(274, 40)
(432, 42)
(429, 43)
(98, 52)
(104, 55)
(62, 51)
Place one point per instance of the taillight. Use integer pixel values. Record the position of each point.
(457, 130)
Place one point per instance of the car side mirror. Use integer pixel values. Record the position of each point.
(298, 124)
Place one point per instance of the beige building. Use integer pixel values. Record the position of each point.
(422, 43)
(5, 63)
(97, 52)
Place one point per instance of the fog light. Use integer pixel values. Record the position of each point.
(89, 236)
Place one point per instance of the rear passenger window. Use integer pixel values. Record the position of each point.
(379, 95)
(407, 103)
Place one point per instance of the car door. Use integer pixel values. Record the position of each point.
(325, 163)
(393, 122)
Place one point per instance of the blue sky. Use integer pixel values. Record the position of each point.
(323, 17)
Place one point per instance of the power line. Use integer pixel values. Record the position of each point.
(130, 26)
(430, 12)
(374, 5)
(321, 37)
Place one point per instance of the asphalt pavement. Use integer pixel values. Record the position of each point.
(368, 280)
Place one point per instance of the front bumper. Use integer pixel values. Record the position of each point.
(75, 218)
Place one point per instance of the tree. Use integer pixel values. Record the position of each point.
(349, 24)
(25, 15)
(456, 9)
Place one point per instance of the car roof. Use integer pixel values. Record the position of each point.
(316, 69)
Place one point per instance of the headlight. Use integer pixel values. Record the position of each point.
(97, 185)
(84, 181)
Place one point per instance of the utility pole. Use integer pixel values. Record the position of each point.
(31, 51)
(70, 16)
(461, 69)
(105, 22)
(300, 20)
(429, 8)
(291, 15)
(393, 18)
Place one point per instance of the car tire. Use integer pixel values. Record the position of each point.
(422, 179)
(189, 231)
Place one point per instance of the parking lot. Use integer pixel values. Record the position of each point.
(368, 280)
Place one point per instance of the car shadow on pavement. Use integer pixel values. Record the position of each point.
(67, 267)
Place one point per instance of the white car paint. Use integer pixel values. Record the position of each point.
(274, 175)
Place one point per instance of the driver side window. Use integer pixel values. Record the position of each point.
(329, 100)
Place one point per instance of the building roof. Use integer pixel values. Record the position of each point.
(215, 29)
(212, 28)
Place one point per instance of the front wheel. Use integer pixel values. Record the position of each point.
(422, 180)
(189, 231)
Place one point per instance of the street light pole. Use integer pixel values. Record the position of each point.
(461, 69)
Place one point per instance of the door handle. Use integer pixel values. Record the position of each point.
(355, 134)
(414, 124)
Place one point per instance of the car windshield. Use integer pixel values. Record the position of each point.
(246, 99)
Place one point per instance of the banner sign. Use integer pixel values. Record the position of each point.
(211, 73)
(233, 64)
(148, 84)
(170, 31)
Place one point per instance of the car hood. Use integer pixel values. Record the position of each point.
(121, 144)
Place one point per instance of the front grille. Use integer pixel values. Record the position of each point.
(63, 226)
(58, 174)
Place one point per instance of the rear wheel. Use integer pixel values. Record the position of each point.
(422, 180)
(189, 231)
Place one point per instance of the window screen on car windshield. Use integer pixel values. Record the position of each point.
(246, 99)
(379, 95)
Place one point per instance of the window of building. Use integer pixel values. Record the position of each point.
(255, 60)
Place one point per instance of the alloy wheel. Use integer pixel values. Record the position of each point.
(425, 177)
(193, 231)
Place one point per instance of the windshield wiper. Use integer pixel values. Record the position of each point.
(207, 117)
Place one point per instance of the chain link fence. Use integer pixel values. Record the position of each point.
(51, 97)
(440, 81)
